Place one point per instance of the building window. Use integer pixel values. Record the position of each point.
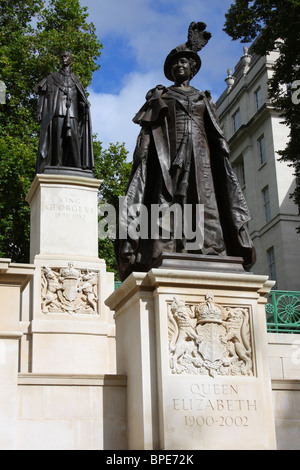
(267, 204)
(239, 169)
(236, 119)
(261, 149)
(258, 98)
(272, 265)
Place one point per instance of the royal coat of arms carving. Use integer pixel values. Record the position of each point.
(69, 290)
(209, 339)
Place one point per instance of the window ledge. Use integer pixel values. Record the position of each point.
(262, 165)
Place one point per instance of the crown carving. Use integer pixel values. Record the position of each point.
(209, 312)
(70, 272)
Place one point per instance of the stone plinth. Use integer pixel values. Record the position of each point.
(194, 348)
(70, 331)
(64, 216)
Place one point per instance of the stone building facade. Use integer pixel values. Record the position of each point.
(255, 134)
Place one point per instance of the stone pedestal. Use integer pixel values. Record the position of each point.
(194, 348)
(70, 329)
(64, 217)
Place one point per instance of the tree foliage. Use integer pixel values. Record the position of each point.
(32, 35)
(275, 24)
(113, 169)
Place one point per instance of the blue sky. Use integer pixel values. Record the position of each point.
(137, 35)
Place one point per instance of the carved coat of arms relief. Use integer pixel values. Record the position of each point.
(69, 290)
(209, 339)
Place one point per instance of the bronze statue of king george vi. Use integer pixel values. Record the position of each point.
(182, 158)
(66, 131)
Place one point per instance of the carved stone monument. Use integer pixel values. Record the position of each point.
(59, 390)
(72, 330)
(190, 322)
(70, 282)
(194, 348)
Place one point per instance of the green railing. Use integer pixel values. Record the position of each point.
(283, 312)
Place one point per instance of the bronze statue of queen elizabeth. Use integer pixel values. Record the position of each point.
(182, 158)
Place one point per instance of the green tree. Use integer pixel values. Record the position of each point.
(275, 24)
(32, 34)
(112, 168)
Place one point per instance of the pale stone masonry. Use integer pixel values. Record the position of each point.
(173, 359)
(193, 346)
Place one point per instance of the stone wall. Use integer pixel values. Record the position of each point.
(57, 410)
(64, 412)
(284, 359)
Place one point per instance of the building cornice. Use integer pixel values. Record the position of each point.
(276, 220)
(257, 119)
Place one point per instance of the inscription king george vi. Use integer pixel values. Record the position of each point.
(69, 290)
(209, 339)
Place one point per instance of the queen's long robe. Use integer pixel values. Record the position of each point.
(182, 157)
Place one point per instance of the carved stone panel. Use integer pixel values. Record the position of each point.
(209, 339)
(69, 290)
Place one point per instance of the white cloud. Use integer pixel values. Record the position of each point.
(112, 114)
(150, 30)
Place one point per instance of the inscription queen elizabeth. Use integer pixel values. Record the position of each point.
(209, 339)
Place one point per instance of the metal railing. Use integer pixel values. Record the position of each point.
(283, 312)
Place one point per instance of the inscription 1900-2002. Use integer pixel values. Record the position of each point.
(215, 404)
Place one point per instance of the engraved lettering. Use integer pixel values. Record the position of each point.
(209, 405)
(208, 389)
(176, 404)
(251, 405)
(220, 405)
(222, 421)
(189, 404)
(69, 207)
(230, 405)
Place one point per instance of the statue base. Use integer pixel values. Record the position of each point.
(189, 261)
(64, 215)
(193, 345)
(66, 170)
